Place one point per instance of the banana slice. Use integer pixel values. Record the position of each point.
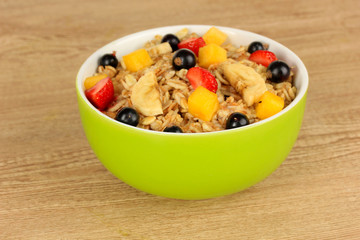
(246, 81)
(159, 49)
(145, 95)
(182, 33)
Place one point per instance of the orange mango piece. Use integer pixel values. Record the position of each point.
(214, 35)
(203, 104)
(91, 81)
(137, 60)
(211, 54)
(269, 104)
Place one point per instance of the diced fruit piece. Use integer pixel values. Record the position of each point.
(203, 104)
(211, 54)
(263, 57)
(91, 81)
(137, 60)
(183, 58)
(109, 59)
(201, 77)
(246, 81)
(172, 40)
(278, 71)
(101, 94)
(193, 44)
(145, 95)
(236, 120)
(174, 129)
(214, 35)
(182, 33)
(254, 46)
(269, 104)
(159, 49)
(128, 116)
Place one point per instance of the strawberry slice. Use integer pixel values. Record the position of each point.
(263, 57)
(101, 94)
(193, 44)
(201, 77)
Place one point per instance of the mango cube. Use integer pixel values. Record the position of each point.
(203, 104)
(214, 35)
(91, 81)
(211, 54)
(269, 104)
(137, 60)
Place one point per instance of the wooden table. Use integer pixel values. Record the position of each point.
(53, 187)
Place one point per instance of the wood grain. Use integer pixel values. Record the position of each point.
(53, 187)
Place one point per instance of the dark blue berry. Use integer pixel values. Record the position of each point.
(172, 40)
(184, 58)
(174, 129)
(236, 120)
(109, 59)
(278, 71)
(254, 46)
(128, 116)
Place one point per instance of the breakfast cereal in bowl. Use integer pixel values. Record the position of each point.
(191, 83)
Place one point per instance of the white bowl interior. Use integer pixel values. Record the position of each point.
(237, 37)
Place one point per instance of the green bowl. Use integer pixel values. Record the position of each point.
(192, 165)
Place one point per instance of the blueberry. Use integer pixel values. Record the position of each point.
(236, 120)
(172, 40)
(128, 116)
(184, 58)
(278, 71)
(109, 59)
(174, 129)
(254, 46)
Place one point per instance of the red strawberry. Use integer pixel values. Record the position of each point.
(101, 94)
(263, 57)
(193, 44)
(201, 77)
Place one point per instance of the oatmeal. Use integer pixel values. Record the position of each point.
(184, 82)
